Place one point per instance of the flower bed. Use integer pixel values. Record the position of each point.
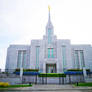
(4, 84)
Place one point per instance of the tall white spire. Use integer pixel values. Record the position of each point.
(49, 26)
(49, 20)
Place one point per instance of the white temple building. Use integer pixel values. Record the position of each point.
(49, 55)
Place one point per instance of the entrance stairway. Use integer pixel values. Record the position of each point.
(87, 79)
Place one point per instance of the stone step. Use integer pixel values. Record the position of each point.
(88, 79)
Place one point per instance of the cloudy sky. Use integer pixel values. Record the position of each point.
(23, 20)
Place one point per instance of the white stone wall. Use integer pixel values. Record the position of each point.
(87, 49)
(12, 53)
(12, 56)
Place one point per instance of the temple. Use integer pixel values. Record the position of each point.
(49, 55)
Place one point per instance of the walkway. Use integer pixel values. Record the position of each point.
(52, 88)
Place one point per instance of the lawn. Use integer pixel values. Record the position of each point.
(15, 86)
(84, 84)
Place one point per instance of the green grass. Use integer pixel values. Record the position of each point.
(15, 86)
(84, 84)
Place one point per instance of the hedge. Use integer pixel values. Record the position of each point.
(52, 75)
(27, 70)
(88, 70)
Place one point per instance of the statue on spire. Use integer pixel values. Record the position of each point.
(49, 14)
(48, 7)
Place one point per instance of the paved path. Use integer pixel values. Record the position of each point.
(51, 88)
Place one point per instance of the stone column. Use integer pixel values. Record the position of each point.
(21, 67)
(84, 73)
(21, 73)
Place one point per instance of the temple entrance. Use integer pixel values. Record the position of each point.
(50, 68)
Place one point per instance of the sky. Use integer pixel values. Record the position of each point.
(24, 20)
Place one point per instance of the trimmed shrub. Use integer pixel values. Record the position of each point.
(52, 75)
(88, 70)
(17, 70)
(27, 70)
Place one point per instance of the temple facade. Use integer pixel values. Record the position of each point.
(49, 55)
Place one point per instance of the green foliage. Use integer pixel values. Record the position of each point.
(52, 75)
(78, 70)
(27, 70)
(3, 72)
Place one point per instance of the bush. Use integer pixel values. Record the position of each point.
(27, 70)
(88, 70)
(52, 75)
(4, 84)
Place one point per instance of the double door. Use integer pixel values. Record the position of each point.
(50, 68)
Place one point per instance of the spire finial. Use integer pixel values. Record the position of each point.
(49, 7)
(49, 13)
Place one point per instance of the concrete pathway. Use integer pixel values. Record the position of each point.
(52, 88)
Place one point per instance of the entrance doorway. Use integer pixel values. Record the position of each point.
(50, 68)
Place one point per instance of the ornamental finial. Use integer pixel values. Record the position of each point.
(48, 7)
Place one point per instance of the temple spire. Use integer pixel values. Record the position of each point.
(49, 26)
